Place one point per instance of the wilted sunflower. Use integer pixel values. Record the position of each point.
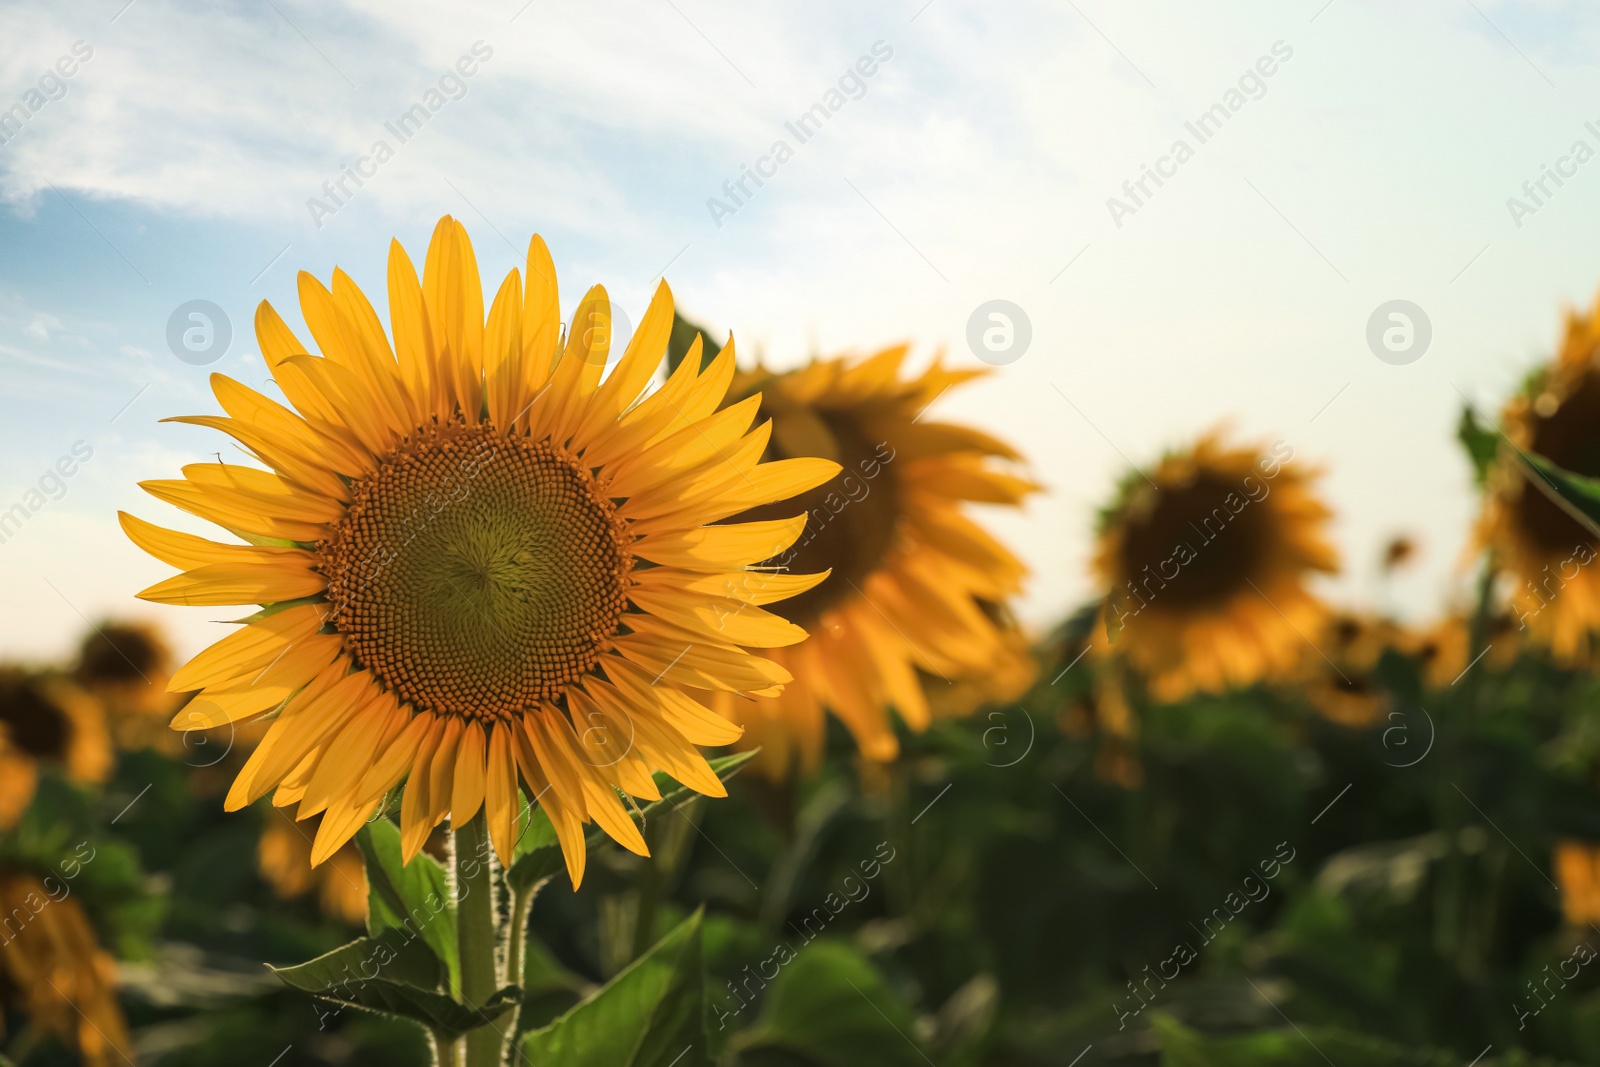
(909, 571)
(283, 856)
(1549, 556)
(53, 970)
(1205, 562)
(477, 559)
(46, 721)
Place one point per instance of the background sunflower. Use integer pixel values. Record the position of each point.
(914, 597)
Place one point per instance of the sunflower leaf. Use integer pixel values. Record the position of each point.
(1481, 442)
(829, 1007)
(649, 1015)
(396, 974)
(1577, 495)
(412, 899)
(538, 854)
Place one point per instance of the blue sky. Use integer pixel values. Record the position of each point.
(1373, 164)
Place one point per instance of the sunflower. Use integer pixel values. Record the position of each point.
(479, 564)
(126, 667)
(1577, 869)
(1441, 649)
(1205, 562)
(283, 857)
(1339, 676)
(1548, 555)
(908, 572)
(1005, 679)
(46, 722)
(54, 971)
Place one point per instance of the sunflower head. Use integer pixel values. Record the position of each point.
(53, 969)
(1547, 555)
(46, 722)
(484, 565)
(1205, 561)
(901, 612)
(1340, 675)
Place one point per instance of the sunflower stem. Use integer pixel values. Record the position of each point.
(477, 933)
(446, 1050)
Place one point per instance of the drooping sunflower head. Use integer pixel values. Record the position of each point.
(483, 563)
(53, 970)
(1549, 556)
(1205, 562)
(908, 570)
(46, 722)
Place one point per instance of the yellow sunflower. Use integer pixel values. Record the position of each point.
(53, 970)
(46, 722)
(480, 565)
(1549, 556)
(1441, 649)
(1339, 675)
(1205, 562)
(283, 856)
(909, 571)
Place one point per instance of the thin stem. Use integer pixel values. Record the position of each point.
(476, 928)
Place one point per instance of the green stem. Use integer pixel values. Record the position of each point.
(446, 1050)
(476, 929)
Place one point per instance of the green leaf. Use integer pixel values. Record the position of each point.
(393, 974)
(1577, 495)
(829, 1007)
(650, 1015)
(1481, 442)
(538, 855)
(683, 335)
(413, 899)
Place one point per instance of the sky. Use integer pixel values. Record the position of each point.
(1358, 153)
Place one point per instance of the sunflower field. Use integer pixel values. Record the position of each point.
(671, 711)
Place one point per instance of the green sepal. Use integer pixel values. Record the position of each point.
(1481, 442)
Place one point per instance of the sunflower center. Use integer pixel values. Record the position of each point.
(1568, 439)
(1222, 551)
(34, 724)
(475, 573)
(851, 523)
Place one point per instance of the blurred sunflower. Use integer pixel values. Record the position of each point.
(1005, 679)
(908, 571)
(46, 721)
(1205, 562)
(1577, 870)
(283, 856)
(53, 970)
(1547, 553)
(1339, 675)
(477, 559)
(127, 666)
(1441, 649)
